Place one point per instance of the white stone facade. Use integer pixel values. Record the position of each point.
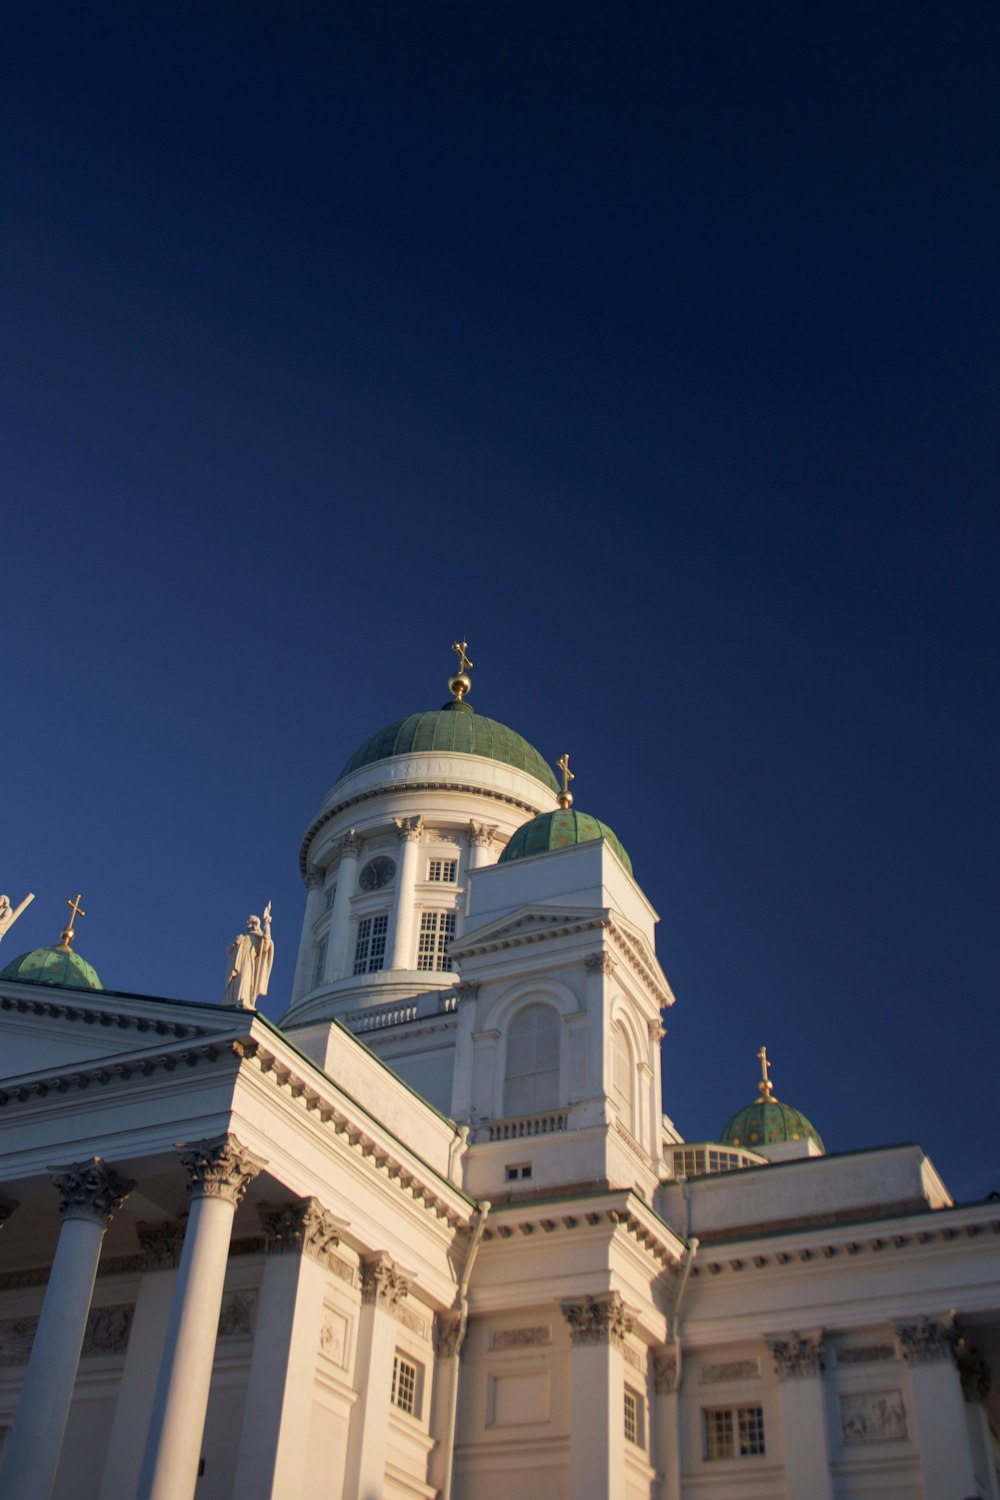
(427, 1238)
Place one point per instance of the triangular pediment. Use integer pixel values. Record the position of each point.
(45, 1027)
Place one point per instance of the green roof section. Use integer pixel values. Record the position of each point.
(561, 830)
(56, 966)
(768, 1122)
(458, 729)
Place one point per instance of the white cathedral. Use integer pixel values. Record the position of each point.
(433, 1236)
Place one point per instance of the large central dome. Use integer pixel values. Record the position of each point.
(456, 728)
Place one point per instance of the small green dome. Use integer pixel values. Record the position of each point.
(58, 966)
(458, 728)
(767, 1122)
(560, 830)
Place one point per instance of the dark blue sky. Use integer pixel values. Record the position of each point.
(651, 347)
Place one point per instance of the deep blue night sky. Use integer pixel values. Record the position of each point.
(651, 347)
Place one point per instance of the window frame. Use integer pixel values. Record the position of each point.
(736, 1429)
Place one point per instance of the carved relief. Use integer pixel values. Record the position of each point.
(304, 1227)
(872, 1417)
(16, 1338)
(410, 829)
(412, 1320)
(657, 1031)
(665, 1370)
(865, 1354)
(90, 1190)
(598, 1320)
(236, 1316)
(447, 1333)
(315, 875)
(795, 1356)
(482, 835)
(520, 1338)
(333, 1336)
(221, 1168)
(733, 1369)
(161, 1243)
(925, 1339)
(633, 1357)
(599, 963)
(467, 990)
(382, 1282)
(350, 845)
(107, 1330)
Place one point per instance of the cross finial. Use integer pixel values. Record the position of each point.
(565, 796)
(75, 910)
(460, 647)
(766, 1086)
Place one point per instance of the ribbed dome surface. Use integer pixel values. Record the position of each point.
(456, 728)
(767, 1122)
(58, 966)
(561, 830)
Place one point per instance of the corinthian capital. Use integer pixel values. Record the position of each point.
(305, 1227)
(795, 1355)
(221, 1168)
(382, 1282)
(665, 1369)
(482, 835)
(599, 963)
(410, 829)
(926, 1339)
(315, 875)
(598, 1320)
(90, 1190)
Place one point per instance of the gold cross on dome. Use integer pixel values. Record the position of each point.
(766, 1086)
(460, 647)
(566, 796)
(75, 910)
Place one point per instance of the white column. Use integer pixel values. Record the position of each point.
(665, 1430)
(274, 1444)
(382, 1287)
(600, 967)
(338, 958)
(941, 1431)
(402, 948)
(482, 838)
(219, 1174)
(798, 1363)
(314, 907)
(90, 1194)
(598, 1327)
(655, 1143)
(161, 1243)
(447, 1332)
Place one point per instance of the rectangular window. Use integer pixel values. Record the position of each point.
(436, 928)
(404, 1385)
(330, 897)
(517, 1173)
(369, 950)
(320, 963)
(734, 1432)
(634, 1419)
(444, 870)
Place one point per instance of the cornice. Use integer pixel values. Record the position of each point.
(872, 1238)
(110, 1069)
(95, 1015)
(625, 1212)
(279, 1074)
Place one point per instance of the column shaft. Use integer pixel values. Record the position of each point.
(597, 1399)
(798, 1362)
(402, 949)
(381, 1287)
(338, 958)
(304, 962)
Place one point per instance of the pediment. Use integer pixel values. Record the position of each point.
(44, 1027)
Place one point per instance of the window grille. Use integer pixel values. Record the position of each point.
(330, 897)
(734, 1432)
(404, 1385)
(369, 950)
(532, 1075)
(320, 963)
(436, 929)
(443, 870)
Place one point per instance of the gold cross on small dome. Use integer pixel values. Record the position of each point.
(461, 647)
(75, 910)
(565, 796)
(766, 1086)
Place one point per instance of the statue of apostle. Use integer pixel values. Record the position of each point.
(251, 955)
(9, 914)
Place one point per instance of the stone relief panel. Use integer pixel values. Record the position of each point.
(865, 1354)
(334, 1336)
(107, 1332)
(732, 1369)
(236, 1318)
(520, 1338)
(873, 1417)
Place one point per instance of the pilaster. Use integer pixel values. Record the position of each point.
(928, 1347)
(598, 1327)
(798, 1364)
(383, 1286)
(665, 1426)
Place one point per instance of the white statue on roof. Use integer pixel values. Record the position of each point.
(251, 955)
(9, 914)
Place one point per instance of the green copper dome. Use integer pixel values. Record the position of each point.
(456, 727)
(59, 966)
(767, 1122)
(560, 830)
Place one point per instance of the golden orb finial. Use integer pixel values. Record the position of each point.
(461, 683)
(766, 1086)
(75, 910)
(565, 796)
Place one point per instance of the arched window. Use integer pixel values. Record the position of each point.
(621, 1074)
(532, 1079)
